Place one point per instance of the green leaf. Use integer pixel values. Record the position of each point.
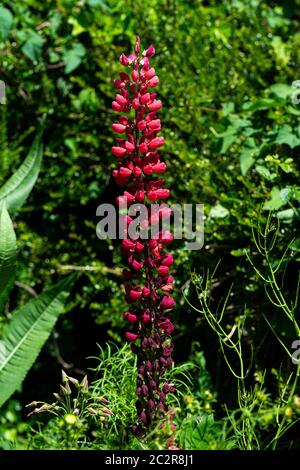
(281, 51)
(18, 187)
(294, 111)
(73, 57)
(26, 334)
(287, 136)
(247, 156)
(247, 159)
(218, 212)
(281, 90)
(286, 194)
(260, 104)
(286, 215)
(99, 3)
(33, 46)
(278, 198)
(195, 434)
(8, 255)
(231, 134)
(6, 21)
(227, 108)
(227, 142)
(265, 173)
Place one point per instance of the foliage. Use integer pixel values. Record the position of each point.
(26, 333)
(254, 401)
(29, 326)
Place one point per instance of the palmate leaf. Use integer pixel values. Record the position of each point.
(8, 254)
(194, 435)
(26, 333)
(18, 187)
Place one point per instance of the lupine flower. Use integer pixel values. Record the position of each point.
(149, 283)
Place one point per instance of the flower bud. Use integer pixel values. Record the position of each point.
(167, 327)
(149, 73)
(150, 51)
(121, 100)
(131, 337)
(135, 295)
(118, 128)
(124, 60)
(167, 302)
(154, 81)
(168, 260)
(130, 317)
(151, 405)
(155, 105)
(135, 75)
(135, 103)
(145, 98)
(163, 270)
(118, 151)
(142, 125)
(124, 172)
(143, 147)
(156, 142)
(129, 147)
(137, 171)
(136, 265)
(143, 418)
(127, 244)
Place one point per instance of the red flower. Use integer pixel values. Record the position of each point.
(167, 302)
(167, 327)
(149, 264)
(131, 337)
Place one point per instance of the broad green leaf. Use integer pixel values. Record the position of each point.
(227, 108)
(55, 19)
(195, 435)
(281, 90)
(73, 57)
(231, 134)
(265, 173)
(33, 46)
(26, 334)
(18, 187)
(287, 136)
(218, 212)
(247, 156)
(6, 21)
(286, 215)
(247, 159)
(297, 194)
(286, 194)
(263, 103)
(278, 198)
(8, 254)
(228, 141)
(294, 111)
(238, 122)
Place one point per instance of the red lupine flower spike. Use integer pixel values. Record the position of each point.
(149, 284)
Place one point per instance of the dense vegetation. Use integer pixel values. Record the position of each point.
(231, 125)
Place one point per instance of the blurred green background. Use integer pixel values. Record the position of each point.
(231, 124)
